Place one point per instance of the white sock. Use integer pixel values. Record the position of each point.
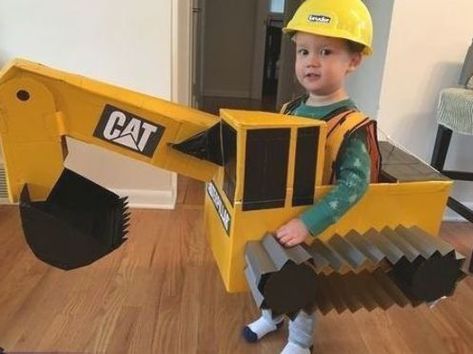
(262, 327)
(293, 348)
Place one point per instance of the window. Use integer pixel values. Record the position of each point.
(277, 6)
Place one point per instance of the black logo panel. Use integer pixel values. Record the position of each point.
(128, 130)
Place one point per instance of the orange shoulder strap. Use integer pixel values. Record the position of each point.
(288, 107)
(339, 129)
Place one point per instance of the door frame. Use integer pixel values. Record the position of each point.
(186, 50)
(262, 11)
(181, 48)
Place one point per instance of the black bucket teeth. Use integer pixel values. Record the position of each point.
(379, 269)
(79, 223)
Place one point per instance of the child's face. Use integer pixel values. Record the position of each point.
(322, 63)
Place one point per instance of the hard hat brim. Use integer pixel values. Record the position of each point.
(291, 31)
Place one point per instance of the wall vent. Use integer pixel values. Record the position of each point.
(3, 185)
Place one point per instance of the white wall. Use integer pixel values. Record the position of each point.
(127, 43)
(427, 45)
(364, 85)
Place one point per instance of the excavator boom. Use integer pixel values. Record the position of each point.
(39, 106)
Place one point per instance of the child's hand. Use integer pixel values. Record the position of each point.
(293, 233)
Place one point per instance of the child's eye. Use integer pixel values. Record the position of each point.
(303, 51)
(325, 52)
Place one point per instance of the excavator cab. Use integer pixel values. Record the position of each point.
(272, 164)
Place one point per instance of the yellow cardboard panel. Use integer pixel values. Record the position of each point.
(383, 205)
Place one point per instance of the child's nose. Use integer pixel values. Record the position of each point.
(313, 60)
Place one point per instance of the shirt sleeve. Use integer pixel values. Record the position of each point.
(353, 178)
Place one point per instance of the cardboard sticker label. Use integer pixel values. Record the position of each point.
(128, 130)
(217, 201)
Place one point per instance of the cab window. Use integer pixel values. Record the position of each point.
(267, 155)
(305, 166)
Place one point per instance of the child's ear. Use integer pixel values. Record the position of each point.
(355, 62)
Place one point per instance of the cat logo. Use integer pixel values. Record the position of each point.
(319, 18)
(125, 129)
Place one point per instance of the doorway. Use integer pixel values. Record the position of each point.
(238, 57)
(272, 52)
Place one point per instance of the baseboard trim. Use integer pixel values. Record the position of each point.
(147, 199)
(138, 198)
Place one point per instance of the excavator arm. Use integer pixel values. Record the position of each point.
(39, 106)
(68, 220)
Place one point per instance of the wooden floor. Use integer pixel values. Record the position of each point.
(161, 293)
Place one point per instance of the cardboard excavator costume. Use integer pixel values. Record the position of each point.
(261, 170)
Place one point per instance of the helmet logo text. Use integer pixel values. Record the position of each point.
(319, 18)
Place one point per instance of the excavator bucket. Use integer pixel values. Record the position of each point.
(79, 222)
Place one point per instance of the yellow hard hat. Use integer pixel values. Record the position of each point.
(348, 19)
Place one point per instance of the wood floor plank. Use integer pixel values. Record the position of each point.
(161, 292)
